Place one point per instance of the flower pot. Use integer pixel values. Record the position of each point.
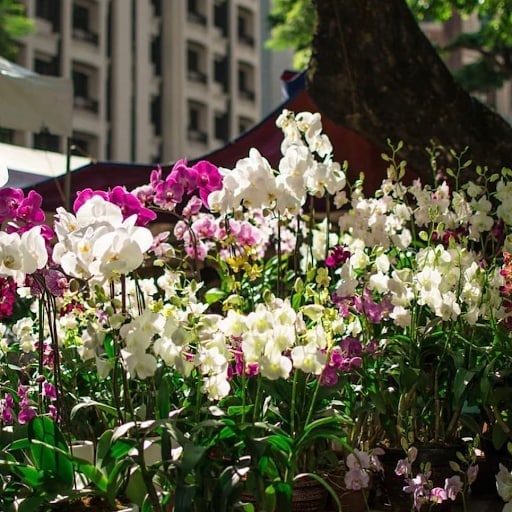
(82, 450)
(439, 458)
(309, 495)
(351, 500)
(92, 504)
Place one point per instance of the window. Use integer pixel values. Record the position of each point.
(84, 144)
(246, 82)
(80, 17)
(49, 10)
(157, 8)
(45, 9)
(6, 135)
(82, 24)
(46, 141)
(220, 72)
(196, 130)
(46, 65)
(221, 126)
(245, 27)
(220, 16)
(156, 54)
(196, 11)
(82, 86)
(196, 63)
(156, 114)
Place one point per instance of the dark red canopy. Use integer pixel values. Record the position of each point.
(361, 155)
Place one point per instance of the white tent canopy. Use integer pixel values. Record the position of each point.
(30, 166)
(33, 102)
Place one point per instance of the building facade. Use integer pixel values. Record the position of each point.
(154, 80)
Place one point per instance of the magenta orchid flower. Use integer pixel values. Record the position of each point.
(84, 195)
(131, 205)
(10, 199)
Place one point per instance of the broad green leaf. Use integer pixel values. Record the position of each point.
(163, 401)
(280, 442)
(108, 345)
(214, 295)
(462, 378)
(92, 403)
(43, 429)
(192, 454)
(29, 474)
(31, 503)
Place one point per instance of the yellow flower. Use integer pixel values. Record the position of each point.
(253, 271)
(322, 277)
(237, 262)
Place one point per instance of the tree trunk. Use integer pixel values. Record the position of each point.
(374, 71)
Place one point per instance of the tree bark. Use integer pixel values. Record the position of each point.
(373, 70)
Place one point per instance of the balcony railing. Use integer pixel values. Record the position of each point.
(196, 17)
(247, 95)
(246, 39)
(195, 135)
(194, 75)
(83, 103)
(85, 35)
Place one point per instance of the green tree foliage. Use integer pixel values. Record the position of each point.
(13, 24)
(492, 42)
(292, 23)
(292, 27)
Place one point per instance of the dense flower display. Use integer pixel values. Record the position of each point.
(283, 309)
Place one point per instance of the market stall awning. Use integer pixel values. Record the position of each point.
(27, 167)
(33, 102)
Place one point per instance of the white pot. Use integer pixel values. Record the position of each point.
(82, 450)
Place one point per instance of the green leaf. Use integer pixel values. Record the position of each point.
(283, 492)
(184, 496)
(228, 480)
(462, 378)
(93, 474)
(270, 498)
(454, 466)
(146, 505)
(164, 404)
(109, 346)
(29, 474)
(103, 448)
(214, 295)
(31, 503)
(239, 410)
(192, 454)
(42, 428)
(92, 403)
(280, 442)
(120, 448)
